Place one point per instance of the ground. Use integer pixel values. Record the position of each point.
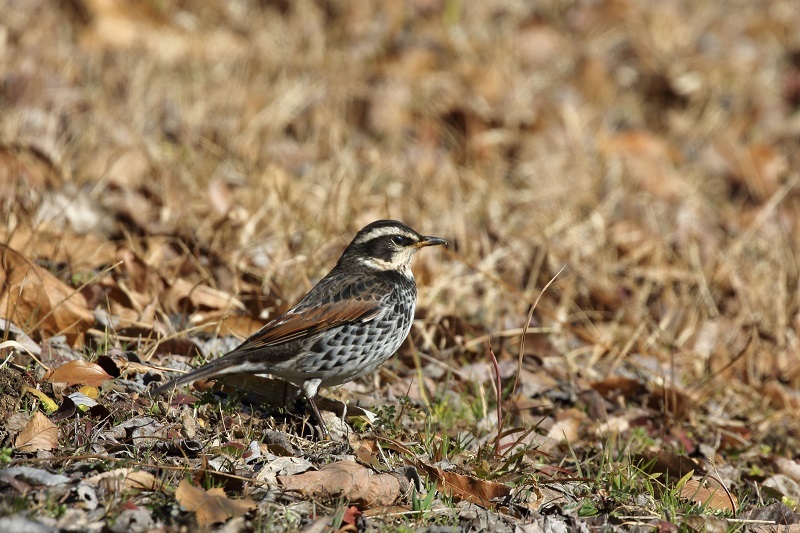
(609, 342)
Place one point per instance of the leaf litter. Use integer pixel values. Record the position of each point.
(168, 185)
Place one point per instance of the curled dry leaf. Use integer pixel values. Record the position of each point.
(713, 496)
(224, 324)
(284, 466)
(125, 479)
(32, 295)
(616, 386)
(210, 506)
(780, 487)
(120, 366)
(39, 434)
(787, 467)
(348, 480)
(184, 296)
(78, 373)
(474, 490)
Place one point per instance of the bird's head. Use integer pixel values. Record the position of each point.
(387, 245)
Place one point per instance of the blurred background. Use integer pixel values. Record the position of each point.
(648, 149)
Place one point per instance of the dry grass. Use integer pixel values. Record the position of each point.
(650, 149)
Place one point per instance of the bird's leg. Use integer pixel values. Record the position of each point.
(344, 419)
(325, 433)
(310, 387)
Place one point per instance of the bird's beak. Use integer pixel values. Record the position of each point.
(430, 241)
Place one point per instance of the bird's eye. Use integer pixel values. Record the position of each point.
(399, 240)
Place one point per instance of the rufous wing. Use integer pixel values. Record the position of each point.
(298, 325)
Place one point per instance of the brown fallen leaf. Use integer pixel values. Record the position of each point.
(351, 481)
(788, 467)
(210, 506)
(184, 295)
(468, 488)
(39, 434)
(350, 517)
(615, 386)
(78, 373)
(366, 450)
(33, 296)
(83, 252)
(759, 167)
(649, 160)
(713, 496)
(120, 365)
(121, 479)
(22, 164)
(780, 396)
(224, 324)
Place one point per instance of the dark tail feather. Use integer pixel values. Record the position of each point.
(223, 365)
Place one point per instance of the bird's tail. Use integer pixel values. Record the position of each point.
(223, 365)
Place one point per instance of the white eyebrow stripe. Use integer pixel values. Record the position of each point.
(383, 232)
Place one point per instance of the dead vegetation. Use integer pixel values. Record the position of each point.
(172, 175)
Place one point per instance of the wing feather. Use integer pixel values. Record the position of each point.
(296, 325)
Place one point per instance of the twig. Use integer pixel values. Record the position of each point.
(525, 330)
(500, 416)
(499, 394)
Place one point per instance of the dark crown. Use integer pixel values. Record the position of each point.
(386, 245)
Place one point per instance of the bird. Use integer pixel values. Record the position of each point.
(349, 323)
